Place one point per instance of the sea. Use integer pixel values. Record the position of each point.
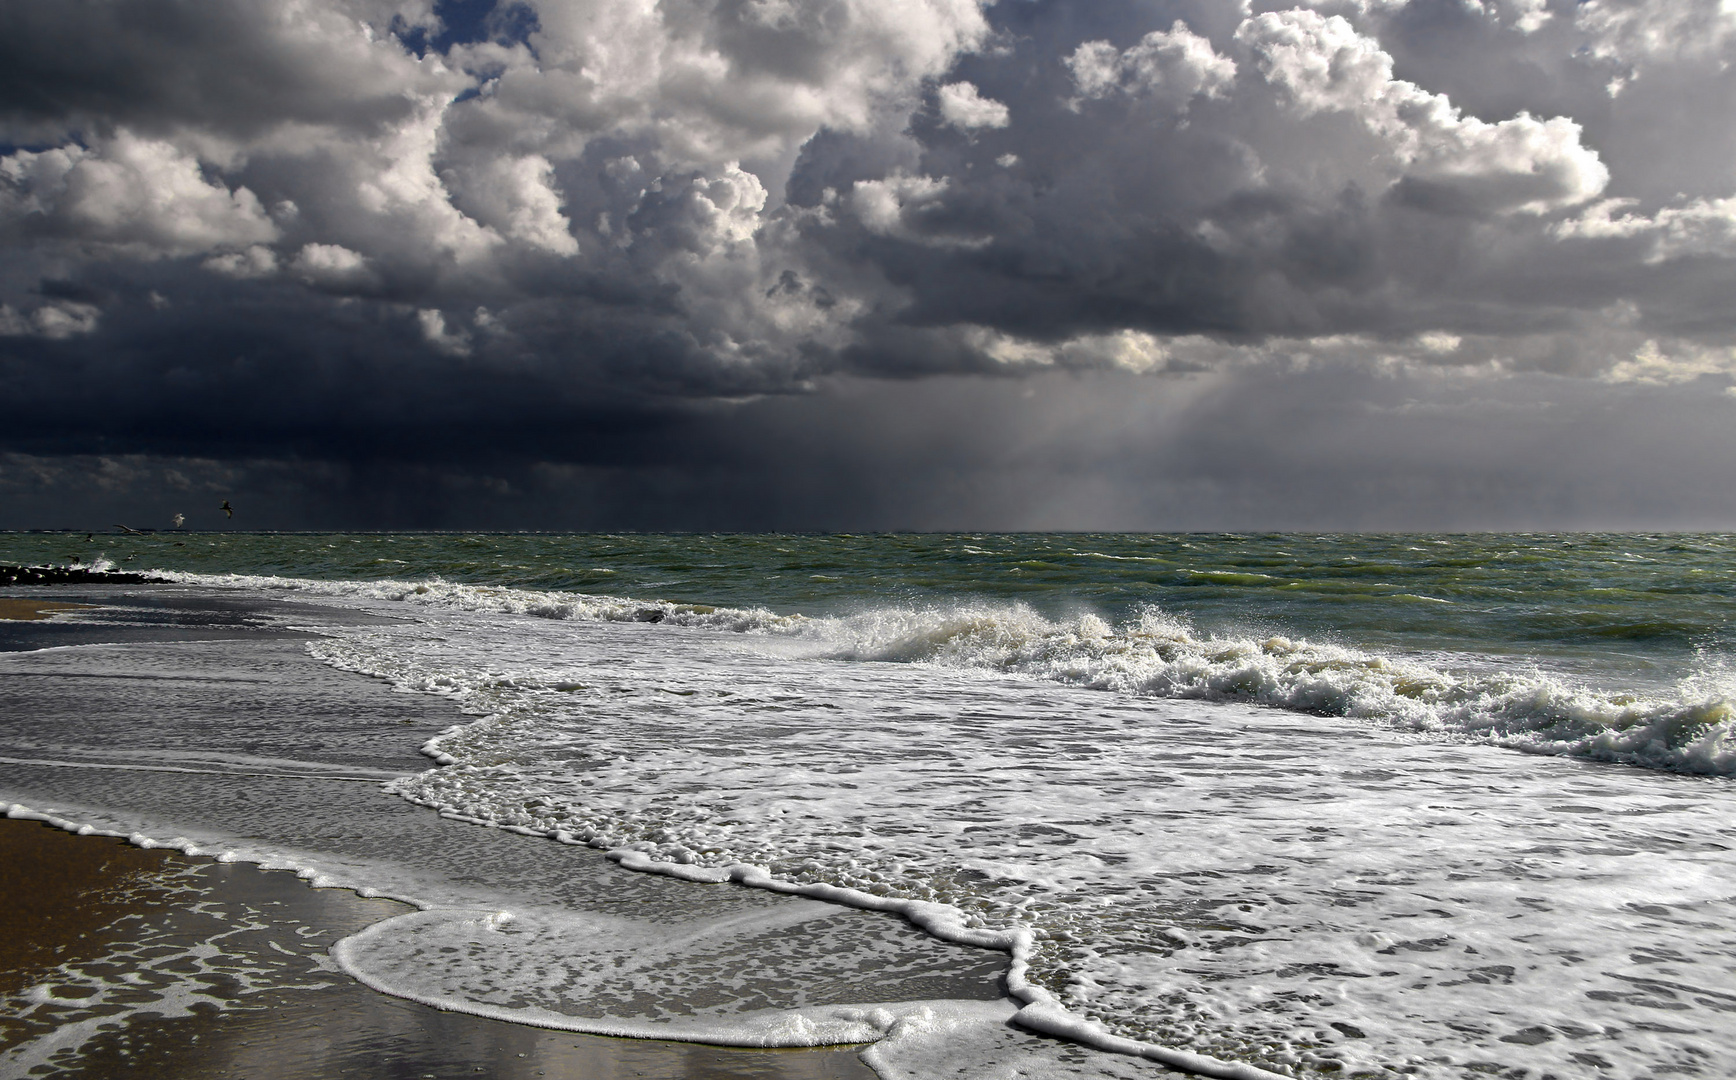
(1247, 805)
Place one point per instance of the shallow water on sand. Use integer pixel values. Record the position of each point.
(117, 961)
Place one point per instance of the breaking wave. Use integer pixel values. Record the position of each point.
(1157, 655)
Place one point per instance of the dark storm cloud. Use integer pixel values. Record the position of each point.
(164, 66)
(1103, 450)
(1187, 186)
(614, 245)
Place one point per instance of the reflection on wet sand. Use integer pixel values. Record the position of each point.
(120, 961)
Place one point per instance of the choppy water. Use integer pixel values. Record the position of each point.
(1626, 605)
(1249, 797)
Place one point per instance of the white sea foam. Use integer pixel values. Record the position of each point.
(1692, 730)
(1162, 656)
(609, 975)
(1196, 880)
(1263, 889)
(546, 966)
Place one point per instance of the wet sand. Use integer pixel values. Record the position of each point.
(102, 941)
(20, 609)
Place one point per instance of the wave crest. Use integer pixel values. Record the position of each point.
(1156, 654)
(438, 593)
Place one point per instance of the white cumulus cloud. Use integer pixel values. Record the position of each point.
(1171, 65)
(148, 195)
(1700, 227)
(435, 332)
(963, 106)
(1458, 162)
(331, 265)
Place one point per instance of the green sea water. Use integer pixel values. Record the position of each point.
(1610, 609)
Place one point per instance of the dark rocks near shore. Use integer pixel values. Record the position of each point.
(69, 575)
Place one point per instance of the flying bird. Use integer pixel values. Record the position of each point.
(133, 532)
(179, 518)
(227, 509)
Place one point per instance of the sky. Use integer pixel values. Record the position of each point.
(868, 264)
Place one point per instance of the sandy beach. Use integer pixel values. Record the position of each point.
(22, 609)
(115, 959)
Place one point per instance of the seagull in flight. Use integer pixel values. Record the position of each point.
(179, 519)
(227, 509)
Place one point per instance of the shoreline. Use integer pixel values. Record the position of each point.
(70, 916)
(101, 1017)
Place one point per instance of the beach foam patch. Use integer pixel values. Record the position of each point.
(710, 982)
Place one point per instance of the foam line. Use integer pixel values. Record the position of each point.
(315, 877)
(836, 1025)
(1040, 1012)
(375, 778)
(132, 676)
